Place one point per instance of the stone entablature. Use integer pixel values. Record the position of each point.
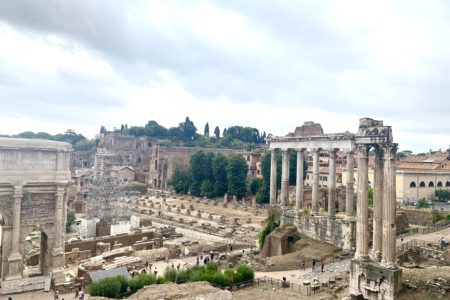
(372, 134)
(34, 184)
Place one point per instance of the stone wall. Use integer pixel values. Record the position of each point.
(125, 240)
(76, 256)
(339, 232)
(417, 216)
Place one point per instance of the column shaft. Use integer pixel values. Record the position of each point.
(315, 185)
(59, 216)
(299, 182)
(332, 184)
(362, 224)
(378, 204)
(273, 177)
(285, 178)
(349, 185)
(18, 195)
(389, 208)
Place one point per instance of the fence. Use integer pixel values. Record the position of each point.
(307, 287)
(423, 230)
(411, 244)
(299, 265)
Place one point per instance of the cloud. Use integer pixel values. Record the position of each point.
(228, 62)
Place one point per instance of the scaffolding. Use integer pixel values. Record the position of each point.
(109, 200)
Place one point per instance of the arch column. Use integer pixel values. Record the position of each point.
(15, 262)
(332, 184)
(315, 185)
(389, 208)
(285, 177)
(349, 185)
(378, 204)
(299, 182)
(362, 219)
(273, 177)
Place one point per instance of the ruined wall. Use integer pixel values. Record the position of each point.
(416, 216)
(339, 232)
(125, 240)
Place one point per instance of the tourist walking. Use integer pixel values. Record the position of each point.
(322, 264)
(313, 264)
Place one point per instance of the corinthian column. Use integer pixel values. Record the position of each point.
(362, 219)
(285, 178)
(332, 184)
(299, 183)
(378, 204)
(273, 177)
(389, 208)
(315, 185)
(349, 185)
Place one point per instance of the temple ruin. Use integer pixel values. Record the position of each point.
(374, 274)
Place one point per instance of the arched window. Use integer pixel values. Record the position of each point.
(412, 184)
(422, 184)
(447, 184)
(431, 184)
(439, 184)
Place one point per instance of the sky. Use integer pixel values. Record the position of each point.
(266, 64)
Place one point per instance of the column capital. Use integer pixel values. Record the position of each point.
(18, 191)
(301, 150)
(379, 152)
(390, 151)
(362, 151)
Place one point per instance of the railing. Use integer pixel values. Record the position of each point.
(302, 288)
(412, 244)
(308, 264)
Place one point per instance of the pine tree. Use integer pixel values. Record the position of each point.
(217, 132)
(237, 170)
(206, 130)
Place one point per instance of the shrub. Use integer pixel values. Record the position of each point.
(437, 218)
(270, 226)
(109, 287)
(246, 272)
(212, 266)
(170, 275)
(218, 279)
(138, 282)
(422, 203)
(238, 278)
(160, 280)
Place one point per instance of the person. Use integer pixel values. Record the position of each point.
(81, 295)
(178, 267)
(156, 271)
(442, 243)
(322, 264)
(56, 296)
(303, 264)
(313, 264)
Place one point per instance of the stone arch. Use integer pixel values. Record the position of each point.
(431, 184)
(422, 184)
(439, 184)
(412, 184)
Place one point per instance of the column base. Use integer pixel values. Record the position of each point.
(375, 256)
(15, 266)
(59, 276)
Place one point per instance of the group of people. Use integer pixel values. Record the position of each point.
(313, 264)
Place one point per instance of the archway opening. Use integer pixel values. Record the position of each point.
(412, 184)
(35, 254)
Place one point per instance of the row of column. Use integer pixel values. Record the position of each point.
(15, 258)
(384, 208)
(315, 186)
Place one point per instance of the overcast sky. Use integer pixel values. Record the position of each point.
(266, 64)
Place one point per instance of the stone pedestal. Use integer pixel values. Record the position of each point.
(15, 263)
(369, 280)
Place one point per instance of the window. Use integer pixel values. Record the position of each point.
(447, 184)
(439, 183)
(412, 184)
(431, 184)
(422, 184)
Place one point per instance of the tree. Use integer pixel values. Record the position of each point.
(219, 168)
(237, 170)
(181, 180)
(70, 220)
(255, 185)
(207, 189)
(196, 168)
(217, 132)
(442, 195)
(206, 130)
(270, 226)
(187, 129)
(370, 196)
(153, 129)
(422, 203)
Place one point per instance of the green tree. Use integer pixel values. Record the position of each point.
(70, 220)
(219, 168)
(196, 167)
(270, 226)
(84, 145)
(206, 130)
(207, 189)
(442, 195)
(237, 175)
(370, 196)
(181, 180)
(187, 129)
(217, 132)
(255, 185)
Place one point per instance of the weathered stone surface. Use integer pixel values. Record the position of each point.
(276, 243)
